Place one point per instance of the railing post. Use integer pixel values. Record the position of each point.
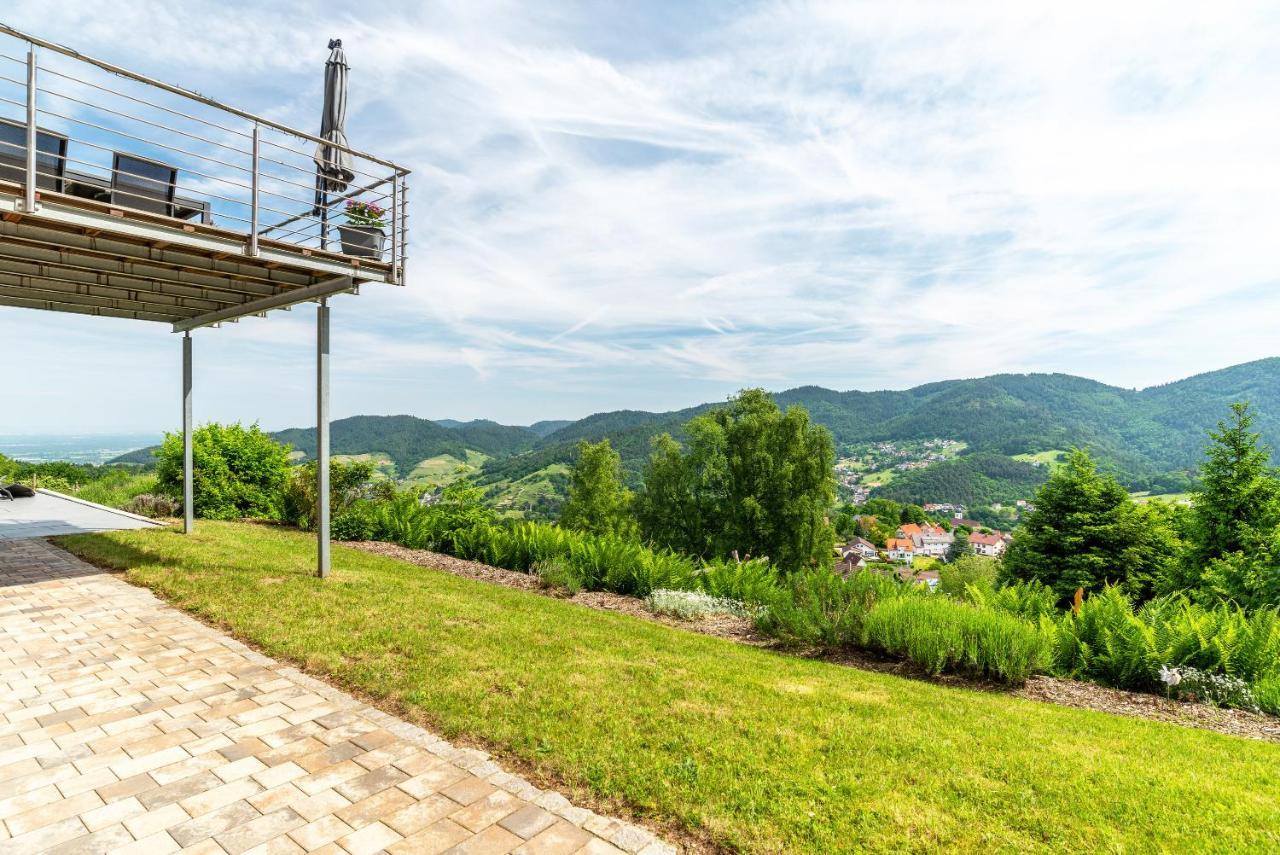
(29, 197)
(253, 208)
(395, 226)
(402, 227)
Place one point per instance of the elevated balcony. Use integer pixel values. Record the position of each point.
(124, 196)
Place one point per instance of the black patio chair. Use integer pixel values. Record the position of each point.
(51, 156)
(142, 184)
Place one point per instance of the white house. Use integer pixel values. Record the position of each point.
(992, 545)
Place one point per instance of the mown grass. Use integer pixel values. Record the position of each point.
(759, 751)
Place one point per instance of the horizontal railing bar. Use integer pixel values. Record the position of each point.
(301, 231)
(143, 140)
(356, 171)
(149, 123)
(145, 103)
(187, 170)
(160, 184)
(194, 96)
(348, 195)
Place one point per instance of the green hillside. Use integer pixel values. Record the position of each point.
(1151, 439)
(975, 479)
(406, 440)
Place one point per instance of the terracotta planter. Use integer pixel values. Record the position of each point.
(363, 241)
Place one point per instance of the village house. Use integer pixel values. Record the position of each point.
(927, 577)
(860, 546)
(851, 563)
(992, 545)
(900, 549)
(927, 539)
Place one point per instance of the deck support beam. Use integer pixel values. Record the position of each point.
(188, 485)
(319, 291)
(322, 439)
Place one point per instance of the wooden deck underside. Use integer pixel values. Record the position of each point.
(76, 255)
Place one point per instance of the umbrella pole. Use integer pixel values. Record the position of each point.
(323, 195)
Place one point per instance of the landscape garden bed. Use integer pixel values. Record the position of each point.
(743, 748)
(1072, 693)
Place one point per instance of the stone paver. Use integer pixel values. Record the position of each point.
(127, 726)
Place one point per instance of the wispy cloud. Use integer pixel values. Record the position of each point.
(618, 206)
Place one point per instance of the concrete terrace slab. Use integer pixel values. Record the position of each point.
(127, 726)
(48, 513)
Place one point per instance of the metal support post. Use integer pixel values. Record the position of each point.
(322, 439)
(188, 485)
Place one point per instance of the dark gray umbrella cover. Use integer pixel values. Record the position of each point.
(334, 165)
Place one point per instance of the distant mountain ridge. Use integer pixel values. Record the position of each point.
(1136, 433)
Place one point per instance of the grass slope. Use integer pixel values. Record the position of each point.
(759, 751)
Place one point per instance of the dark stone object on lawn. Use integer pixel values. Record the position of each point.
(20, 491)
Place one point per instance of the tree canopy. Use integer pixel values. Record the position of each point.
(598, 502)
(1086, 533)
(753, 480)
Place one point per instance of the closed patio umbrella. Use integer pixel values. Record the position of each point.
(333, 164)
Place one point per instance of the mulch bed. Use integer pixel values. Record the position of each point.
(1054, 690)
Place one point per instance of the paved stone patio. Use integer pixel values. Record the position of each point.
(128, 727)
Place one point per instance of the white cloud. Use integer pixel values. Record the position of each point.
(854, 194)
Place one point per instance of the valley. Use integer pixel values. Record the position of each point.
(974, 442)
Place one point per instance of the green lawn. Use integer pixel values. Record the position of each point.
(759, 751)
(445, 468)
(1048, 458)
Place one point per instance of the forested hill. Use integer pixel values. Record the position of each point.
(405, 439)
(1136, 433)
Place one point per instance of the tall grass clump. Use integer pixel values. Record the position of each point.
(940, 634)
(820, 609)
(117, 489)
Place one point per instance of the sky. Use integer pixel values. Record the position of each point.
(621, 205)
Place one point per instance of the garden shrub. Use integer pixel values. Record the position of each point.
(116, 489)
(941, 634)
(967, 571)
(688, 605)
(558, 574)
(238, 471)
(154, 506)
(1267, 694)
(754, 581)
(823, 610)
(1221, 690)
(355, 522)
(1103, 640)
(348, 483)
(1030, 600)
(1110, 643)
(650, 570)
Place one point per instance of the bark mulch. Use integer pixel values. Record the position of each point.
(1054, 690)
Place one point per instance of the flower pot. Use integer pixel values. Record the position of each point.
(362, 241)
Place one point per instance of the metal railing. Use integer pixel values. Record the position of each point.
(82, 127)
